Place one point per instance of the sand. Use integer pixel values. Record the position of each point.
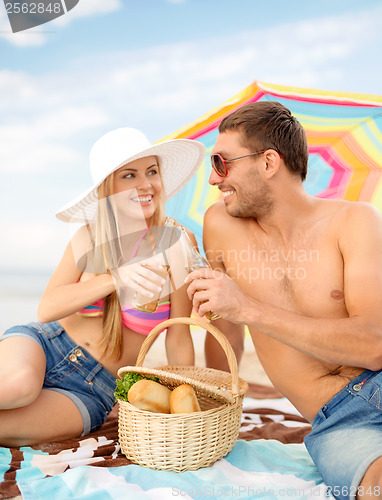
(250, 368)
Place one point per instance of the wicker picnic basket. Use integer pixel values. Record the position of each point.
(184, 441)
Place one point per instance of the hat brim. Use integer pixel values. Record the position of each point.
(179, 160)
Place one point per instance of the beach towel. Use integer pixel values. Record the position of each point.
(269, 460)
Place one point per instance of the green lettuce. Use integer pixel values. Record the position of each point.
(123, 385)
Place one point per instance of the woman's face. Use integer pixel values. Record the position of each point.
(142, 183)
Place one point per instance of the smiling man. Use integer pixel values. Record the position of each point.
(305, 275)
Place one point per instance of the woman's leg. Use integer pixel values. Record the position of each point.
(22, 371)
(29, 414)
(51, 417)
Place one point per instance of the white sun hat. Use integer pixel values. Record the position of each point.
(178, 159)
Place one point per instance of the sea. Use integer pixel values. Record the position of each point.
(20, 293)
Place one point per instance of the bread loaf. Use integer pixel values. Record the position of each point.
(183, 400)
(149, 395)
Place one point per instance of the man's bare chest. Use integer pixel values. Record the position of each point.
(305, 276)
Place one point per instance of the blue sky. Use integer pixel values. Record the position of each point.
(155, 65)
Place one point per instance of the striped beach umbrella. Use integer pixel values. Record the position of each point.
(345, 146)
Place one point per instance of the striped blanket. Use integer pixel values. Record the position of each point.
(269, 460)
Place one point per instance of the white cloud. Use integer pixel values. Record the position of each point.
(86, 8)
(69, 121)
(37, 245)
(189, 78)
(25, 151)
(91, 7)
(36, 36)
(18, 87)
(155, 86)
(172, 84)
(21, 39)
(48, 123)
(45, 141)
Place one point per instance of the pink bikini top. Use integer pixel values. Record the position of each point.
(140, 322)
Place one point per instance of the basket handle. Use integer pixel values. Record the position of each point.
(217, 334)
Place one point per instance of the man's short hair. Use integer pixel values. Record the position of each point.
(270, 125)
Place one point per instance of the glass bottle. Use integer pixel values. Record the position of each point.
(195, 261)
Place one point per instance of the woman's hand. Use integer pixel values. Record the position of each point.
(143, 277)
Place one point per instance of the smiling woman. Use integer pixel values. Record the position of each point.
(60, 372)
(143, 176)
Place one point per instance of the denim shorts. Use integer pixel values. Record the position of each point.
(346, 436)
(71, 370)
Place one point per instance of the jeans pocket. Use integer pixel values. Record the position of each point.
(61, 371)
(375, 397)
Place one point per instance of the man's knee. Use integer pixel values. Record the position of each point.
(238, 346)
(215, 355)
(237, 343)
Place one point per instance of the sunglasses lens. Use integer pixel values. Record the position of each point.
(218, 165)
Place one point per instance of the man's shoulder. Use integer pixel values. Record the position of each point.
(216, 210)
(217, 225)
(362, 208)
(342, 211)
(347, 221)
(217, 214)
(353, 212)
(361, 216)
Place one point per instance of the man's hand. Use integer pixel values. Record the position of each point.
(216, 292)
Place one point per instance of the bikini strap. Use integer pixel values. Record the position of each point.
(139, 241)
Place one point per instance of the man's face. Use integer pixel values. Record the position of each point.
(245, 192)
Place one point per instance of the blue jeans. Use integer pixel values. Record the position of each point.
(72, 371)
(346, 436)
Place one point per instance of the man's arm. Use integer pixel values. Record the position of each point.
(352, 341)
(215, 356)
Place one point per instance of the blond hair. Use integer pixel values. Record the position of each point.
(109, 256)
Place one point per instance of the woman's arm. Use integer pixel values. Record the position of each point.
(64, 295)
(179, 344)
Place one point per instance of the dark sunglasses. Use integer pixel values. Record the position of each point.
(219, 164)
